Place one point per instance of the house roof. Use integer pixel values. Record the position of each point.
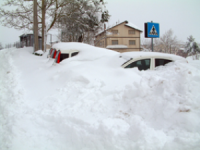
(129, 24)
(25, 35)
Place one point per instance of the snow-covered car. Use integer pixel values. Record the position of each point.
(83, 52)
(148, 60)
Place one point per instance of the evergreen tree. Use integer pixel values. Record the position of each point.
(82, 19)
(192, 47)
(1, 47)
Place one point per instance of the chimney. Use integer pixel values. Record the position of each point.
(104, 26)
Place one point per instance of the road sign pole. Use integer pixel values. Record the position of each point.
(152, 41)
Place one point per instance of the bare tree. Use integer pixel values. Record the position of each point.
(22, 15)
(146, 44)
(167, 41)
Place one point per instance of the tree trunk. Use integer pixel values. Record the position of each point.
(43, 25)
(35, 26)
(80, 39)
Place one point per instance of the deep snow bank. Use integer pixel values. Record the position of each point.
(95, 104)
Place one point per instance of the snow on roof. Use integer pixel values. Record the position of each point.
(116, 46)
(26, 34)
(129, 24)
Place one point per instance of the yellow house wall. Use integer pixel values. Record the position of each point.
(98, 41)
(125, 41)
(123, 31)
(123, 38)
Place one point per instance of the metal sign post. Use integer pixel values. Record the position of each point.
(152, 41)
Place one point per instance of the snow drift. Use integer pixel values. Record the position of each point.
(88, 102)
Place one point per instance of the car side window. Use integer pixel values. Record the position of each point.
(74, 54)
(63, 56)
(143, 64)
(161, 62)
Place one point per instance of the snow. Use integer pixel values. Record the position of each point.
(116, 46)
(182, 49)
(133, 26)
(39, 52)
(129, 55)
(109, 33)
(91, 103)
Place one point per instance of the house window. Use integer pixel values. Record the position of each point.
(131, 42)
(114, 42)
(114, 31)
(131, 31)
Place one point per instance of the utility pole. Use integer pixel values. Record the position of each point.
(35, 25)
(43, 26)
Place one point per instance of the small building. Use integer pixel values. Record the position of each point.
(122, 37)
(27, 40)
(182, 52)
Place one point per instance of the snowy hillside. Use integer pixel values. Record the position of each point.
(88, 102)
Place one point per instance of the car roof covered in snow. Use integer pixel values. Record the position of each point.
(68, 50)
(135, 55)
(86, 51)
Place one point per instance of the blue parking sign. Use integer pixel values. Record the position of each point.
(152, 30)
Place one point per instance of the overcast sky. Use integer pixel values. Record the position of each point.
(182, 16)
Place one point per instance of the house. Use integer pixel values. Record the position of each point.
(27, 40)
(182, 52)
(122, 37)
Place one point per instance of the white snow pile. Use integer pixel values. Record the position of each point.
(117, 46)
(94, 104)
(40, 52)
(86, 52)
